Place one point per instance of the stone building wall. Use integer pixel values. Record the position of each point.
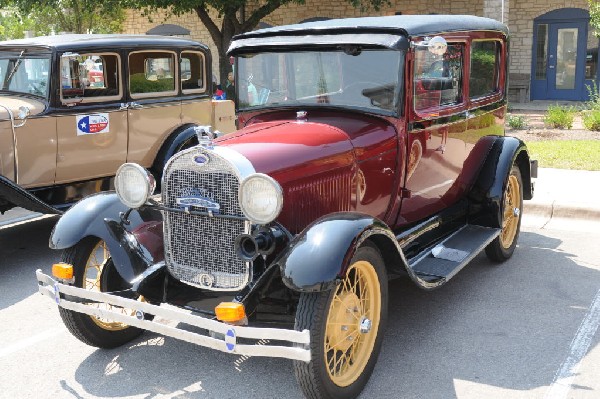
(520, 25)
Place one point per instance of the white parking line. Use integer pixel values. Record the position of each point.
(24, 219)
(565, 376)
(30, 341)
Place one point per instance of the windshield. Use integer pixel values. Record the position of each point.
(24, 74)
(349, 78)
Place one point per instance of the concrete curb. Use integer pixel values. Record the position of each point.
(583, 211)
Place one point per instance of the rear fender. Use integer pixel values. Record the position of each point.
(98, 215)
(318, 257)
(487, 192)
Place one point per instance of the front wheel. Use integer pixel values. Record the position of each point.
(504, 245)
(93, 270)
(346, 329)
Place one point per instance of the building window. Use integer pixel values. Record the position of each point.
(541, 53)
(485, 67)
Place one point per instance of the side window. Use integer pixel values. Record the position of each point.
(485, 68)
(438, 77)
(91, 77)
(152, 73)
(193, 72)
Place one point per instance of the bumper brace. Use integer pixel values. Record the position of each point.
(298, 341)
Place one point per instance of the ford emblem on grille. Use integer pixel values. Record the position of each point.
(186, 203)
(201, 159)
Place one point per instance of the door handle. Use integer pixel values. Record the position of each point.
(134, 105)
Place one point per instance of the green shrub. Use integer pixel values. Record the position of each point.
(517, 122)
(560, 117)
(594, 101)
(591, 120)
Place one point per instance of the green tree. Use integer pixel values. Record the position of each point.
(77, 16)
(233, 17)
(595, 16)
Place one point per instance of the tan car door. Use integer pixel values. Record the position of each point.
(154, 108)
(92, 130)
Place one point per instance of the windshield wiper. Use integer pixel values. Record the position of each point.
(12, 72)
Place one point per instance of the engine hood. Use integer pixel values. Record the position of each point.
(14, 102)
(292, 150)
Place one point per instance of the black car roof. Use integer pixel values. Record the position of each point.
(391, 31)
(410, 25)
(73, 42)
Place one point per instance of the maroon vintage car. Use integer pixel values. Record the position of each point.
(369, 149)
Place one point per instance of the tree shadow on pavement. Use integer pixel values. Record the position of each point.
(502, 326)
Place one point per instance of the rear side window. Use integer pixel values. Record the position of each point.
(485, 68)
(438, 77)
(152, 73)
(193, 72)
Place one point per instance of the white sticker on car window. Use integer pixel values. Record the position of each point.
(92, 124)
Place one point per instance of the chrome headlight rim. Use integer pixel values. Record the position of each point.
(279, 197)
(149, 187)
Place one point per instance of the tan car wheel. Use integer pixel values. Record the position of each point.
(93, 270)
(504, 245)
(346, 326)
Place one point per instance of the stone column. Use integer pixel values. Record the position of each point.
(496, 9)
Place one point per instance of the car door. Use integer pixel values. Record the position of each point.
(436, 147)
(92, 126)
(154, 107)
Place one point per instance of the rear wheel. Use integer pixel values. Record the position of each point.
(504, 245)
(346, 329)
(93, 270)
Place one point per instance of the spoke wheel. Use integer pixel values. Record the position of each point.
(352, 324)
(512, 211)
(504, 245)
(95, 265)
(93, 270)
(346, 326)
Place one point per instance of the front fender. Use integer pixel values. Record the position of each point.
(14, 195)
(98, 215)
(320, 255)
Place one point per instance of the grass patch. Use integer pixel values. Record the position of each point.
(566, 154)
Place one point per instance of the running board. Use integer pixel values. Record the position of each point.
(438, 264)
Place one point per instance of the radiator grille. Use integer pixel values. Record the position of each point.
(199, 250)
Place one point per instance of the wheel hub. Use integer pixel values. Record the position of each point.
(345, 320)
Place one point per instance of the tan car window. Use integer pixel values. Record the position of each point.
(152, 72)
(192, 72)
(91, 77)
(438, 77)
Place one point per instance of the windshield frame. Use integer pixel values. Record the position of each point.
(40, 88)
(395, 111)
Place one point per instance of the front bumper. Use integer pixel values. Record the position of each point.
(291, 344)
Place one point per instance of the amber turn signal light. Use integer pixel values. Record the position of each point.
(230, 312)
(62, 271)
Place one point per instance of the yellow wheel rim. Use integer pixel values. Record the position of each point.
(91, 281)
(352, 324)
(512, 212)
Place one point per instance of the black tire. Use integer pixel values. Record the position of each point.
(88, 329)
(503, 246)
(164, 155)
(313, 311)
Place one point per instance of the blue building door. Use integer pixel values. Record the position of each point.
(562, 62)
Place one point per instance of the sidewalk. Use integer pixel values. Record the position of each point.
(564, 199)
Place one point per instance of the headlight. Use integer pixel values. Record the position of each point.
(261, 198)
(134, 184)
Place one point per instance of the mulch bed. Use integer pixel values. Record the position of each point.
(537, 131)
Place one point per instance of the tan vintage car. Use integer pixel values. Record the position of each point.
(73, 108)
